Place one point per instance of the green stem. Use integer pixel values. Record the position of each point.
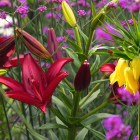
(91, 92)
(6, 117)
(67, 82)
(109, 59)
(59, 116)
(89, 42)
(95, 110)
(72, 132)
(78, 37)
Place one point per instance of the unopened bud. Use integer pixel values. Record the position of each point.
(83, 77)
(33, 45)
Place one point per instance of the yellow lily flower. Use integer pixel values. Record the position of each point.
(136, 67)
(132, 85)
(118, 74)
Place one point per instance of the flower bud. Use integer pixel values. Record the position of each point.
(33, 45)
(53, 45)
(96, 21)
(132, 85)
(68, 14)
(136, 67)
(83, 77)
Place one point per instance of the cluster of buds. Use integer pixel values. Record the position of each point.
(127, 73)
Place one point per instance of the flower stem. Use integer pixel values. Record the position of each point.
(91, 92)
(95, 110)
(78, 37)
(59, 116)
(89, 42)
(6, 117)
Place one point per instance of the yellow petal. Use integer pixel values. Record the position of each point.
(113, 78)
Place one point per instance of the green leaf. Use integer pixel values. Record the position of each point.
(112, 49)
(77, 48)
(113, 54)
(89, 100)
(82, 134)
(95, 64)
(93, 10)
(52, 125)
(82, 34)
(53, 136)
(65, 99)
(94, 118)
(62, 108)
(98, 81)
(93, 50)
(73, 56)
(82, 57)
(63, 132)
(64, 85)
(139, 21)
(97, 133)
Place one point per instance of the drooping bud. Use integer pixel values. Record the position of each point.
(53, 45)
(83, 77)
(97, 20)
(132, 85)
(33, 45)
(68, 14)
(136, 67)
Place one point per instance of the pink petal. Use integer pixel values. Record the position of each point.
(32, 71)
(55, 68)
(51, 87)
(108, 67)
(11, 83)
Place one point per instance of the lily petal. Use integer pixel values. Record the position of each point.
(51, 87)
(108, 67)
(24, 97)
(32, 71)
(55, 68)
(11, 83)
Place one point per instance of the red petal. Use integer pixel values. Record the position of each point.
(55, 68)
(108, 67)
(14, 61)
(11, 83)
(51, 87)
(26, 98)
(31, 70)
(1, 39)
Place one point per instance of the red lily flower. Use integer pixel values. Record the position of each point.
(37, 87)
(14, 61)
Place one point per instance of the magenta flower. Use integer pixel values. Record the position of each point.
(37, 87)
(136, 138)
(111, 5)
(82, 12)
(3, 15)
(23, 10)
(42, 8)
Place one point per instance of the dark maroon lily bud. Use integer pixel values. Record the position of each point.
(83, 77)
(53, 45)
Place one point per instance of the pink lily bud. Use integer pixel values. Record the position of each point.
(33, 45)
(83, 77)
(53, 45)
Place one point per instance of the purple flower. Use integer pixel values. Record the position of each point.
(4, 3)
(135, 7)
(130, 22)
(100, 3)
(45, 29)
(111, 5)
(61, 39)
(23, 2)
(81, 12)
(10, 25)
(88, 12)
(116, 128)
(136, 138)
(3, 15)
(23, 10)
(42, 8)
(50, 15)
(125, 113)
(99, 34)
(71, 33)
(123, 3)
(1, 122)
